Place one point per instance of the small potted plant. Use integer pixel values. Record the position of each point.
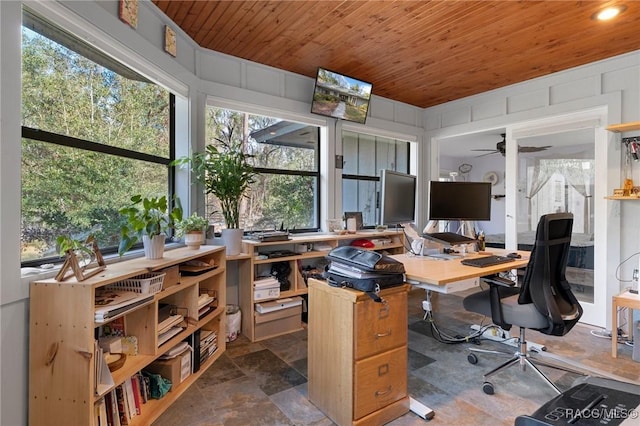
(148, 219)
(226, 172)
(192, 228)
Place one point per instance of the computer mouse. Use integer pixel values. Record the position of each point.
(514, 256)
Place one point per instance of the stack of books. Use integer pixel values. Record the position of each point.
(124, 402)
(205, 304)
(208, 344)
(111, 303)
(170, 323)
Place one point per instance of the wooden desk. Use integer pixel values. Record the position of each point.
(445, 276)
(622, 300)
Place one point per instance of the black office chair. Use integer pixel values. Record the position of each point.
(544, 302)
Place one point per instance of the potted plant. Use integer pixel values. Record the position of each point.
(192, 228)
(226, 173)
(148, 219)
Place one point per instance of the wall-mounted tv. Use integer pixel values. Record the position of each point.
(340, 96)
(459, 200)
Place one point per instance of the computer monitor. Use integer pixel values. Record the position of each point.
(460, 201)
(398, 195)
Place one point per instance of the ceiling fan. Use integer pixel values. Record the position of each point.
(501, 148)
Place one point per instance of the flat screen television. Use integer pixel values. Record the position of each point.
(340, 96)
(398, 195)
(459, 200)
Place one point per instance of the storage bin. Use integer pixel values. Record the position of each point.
(264, 289)
(144, 284)
(279, 321)
(234, 322)
(176, 370)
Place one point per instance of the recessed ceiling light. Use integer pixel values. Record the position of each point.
(608, 13)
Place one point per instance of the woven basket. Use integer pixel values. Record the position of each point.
(144, 284)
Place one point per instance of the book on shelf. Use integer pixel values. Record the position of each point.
(194, 341)
(164, 337)
(121, 402)
(135, 384)
(130, 398)
(110, 303)
(208, 344)
(101, 413)
(103, 377)
(113, 416)
(204, 299)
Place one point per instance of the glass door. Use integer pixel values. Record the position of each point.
(556, 173)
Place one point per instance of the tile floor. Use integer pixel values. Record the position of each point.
(264, 383)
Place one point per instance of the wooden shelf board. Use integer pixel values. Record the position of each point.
(624, 127)
(240, 256)
(621, 197)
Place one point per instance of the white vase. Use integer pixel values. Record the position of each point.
(194, 239)
(232, 239)
(153, 247)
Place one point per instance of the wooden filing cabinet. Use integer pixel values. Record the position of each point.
(357, 355)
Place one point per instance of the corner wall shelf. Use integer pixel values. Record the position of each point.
(624, 127)
(622, 197)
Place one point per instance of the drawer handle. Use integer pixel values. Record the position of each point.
(384, 392)
(388, 333)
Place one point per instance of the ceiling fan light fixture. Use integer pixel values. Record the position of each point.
(608, 13)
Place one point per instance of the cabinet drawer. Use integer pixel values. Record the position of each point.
(380, 326)
(379, 381)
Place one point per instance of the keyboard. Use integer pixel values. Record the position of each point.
(449, 238)
(484, 261)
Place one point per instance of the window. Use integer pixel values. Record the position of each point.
(94, 133)
(364, 157)
(287, 158)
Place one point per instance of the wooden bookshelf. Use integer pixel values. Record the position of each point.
(305, 250)
(63, 330)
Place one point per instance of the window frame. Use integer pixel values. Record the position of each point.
(369, 178)
(284, 116)
(91, 146)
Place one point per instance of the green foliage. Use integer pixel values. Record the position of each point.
(226, 173)
(66, 243)
(68, 191)
(192, 223)
(147, 216)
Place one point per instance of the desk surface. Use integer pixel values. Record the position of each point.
(441, 272)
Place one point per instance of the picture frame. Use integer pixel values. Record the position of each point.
(76, 265)
(170, 41)
(357, 216)
(128, 12)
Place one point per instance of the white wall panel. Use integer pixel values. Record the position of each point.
(455, 116)
(381, 107)
(264, 79)
(487, 109)
(575, 89)
(298, 87)
(220, 68)
(527, 101)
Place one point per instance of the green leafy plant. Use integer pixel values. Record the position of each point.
(66, 243)
(226, 173)
(192, 223)
(147, 216)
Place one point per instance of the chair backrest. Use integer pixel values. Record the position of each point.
(545, 284)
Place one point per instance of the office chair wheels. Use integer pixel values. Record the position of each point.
(472, 358)
(487, 388)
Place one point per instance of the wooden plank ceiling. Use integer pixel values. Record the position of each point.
(423, 53)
